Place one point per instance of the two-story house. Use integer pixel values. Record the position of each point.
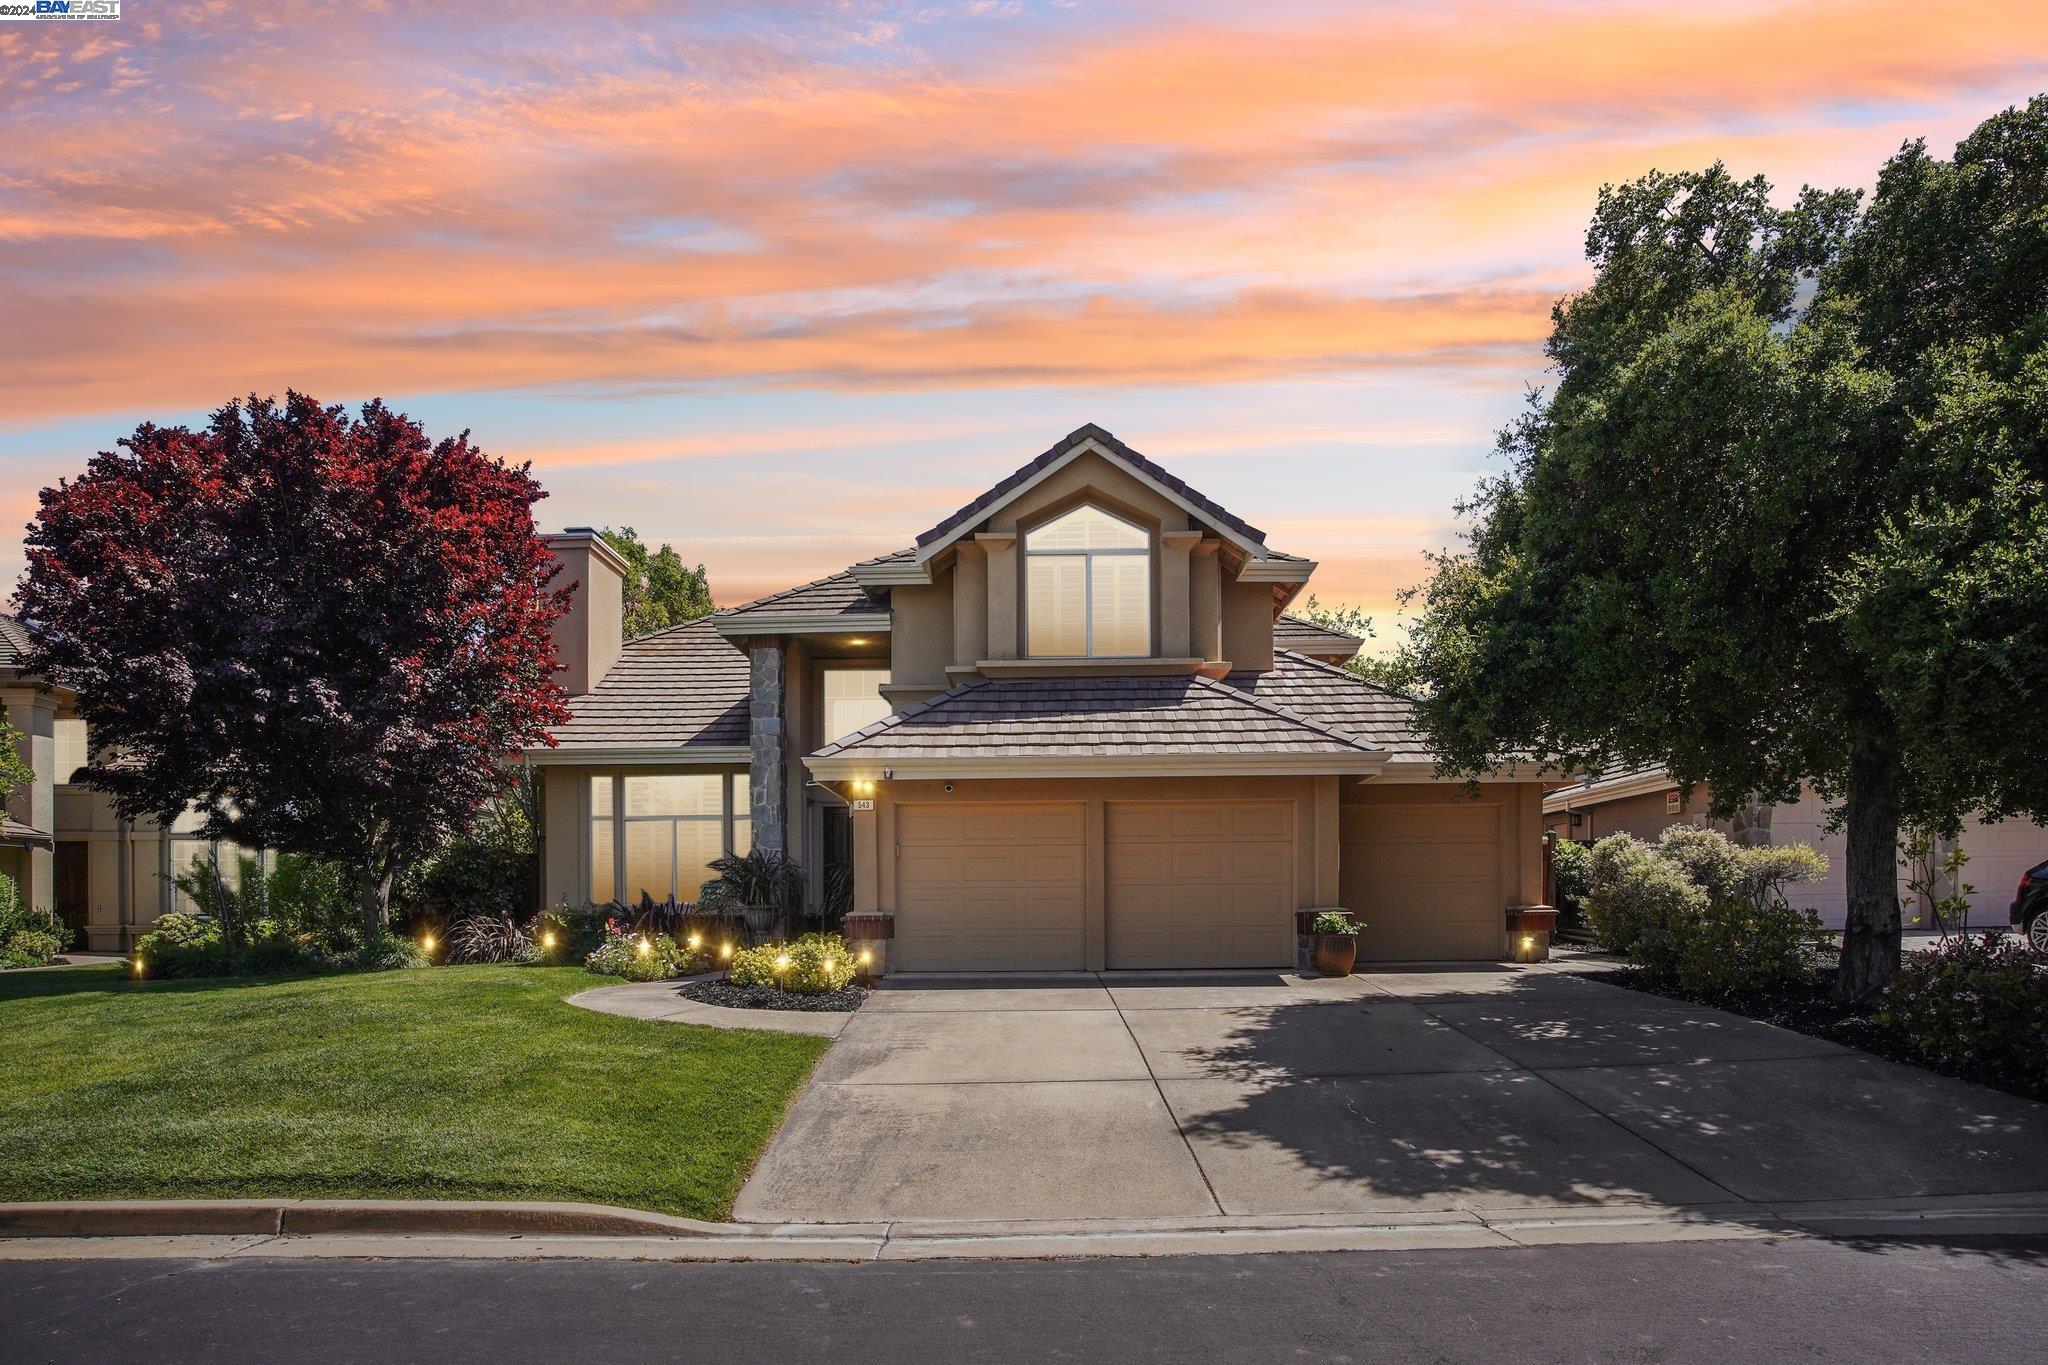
(1068, 728)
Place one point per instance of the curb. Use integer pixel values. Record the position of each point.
(312, 1217)
(358, 1228)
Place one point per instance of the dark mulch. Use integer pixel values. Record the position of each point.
(1809, 1008)
(769, 998)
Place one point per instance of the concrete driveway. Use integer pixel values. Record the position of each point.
(1178, 1096)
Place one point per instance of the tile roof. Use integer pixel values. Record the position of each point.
(1306, 637)
(987, 502)
(1318, 692)
(14, 834)
(838, 593)
(14, 643)
(893, 557)
(679, 688)
(1094, 717)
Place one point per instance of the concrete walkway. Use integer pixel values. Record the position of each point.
(1496, 1091)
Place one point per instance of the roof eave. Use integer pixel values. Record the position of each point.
(860, 763)
(638, 756)
(801, 623)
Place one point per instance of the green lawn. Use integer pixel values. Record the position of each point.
(449, 1083)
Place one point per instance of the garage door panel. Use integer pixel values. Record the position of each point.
(989, 887)
(1425, 879)
(1200, 884)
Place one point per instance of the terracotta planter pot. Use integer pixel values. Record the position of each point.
(1335, 953)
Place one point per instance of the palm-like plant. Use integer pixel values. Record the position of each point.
(766, 886)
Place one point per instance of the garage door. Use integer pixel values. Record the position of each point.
(983, 888)
(1201, 884)
(1425, 879)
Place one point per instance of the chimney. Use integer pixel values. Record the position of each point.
(590, 633)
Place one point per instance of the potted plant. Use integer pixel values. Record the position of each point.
(1335, 935)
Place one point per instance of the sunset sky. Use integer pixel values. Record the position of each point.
(782, 284)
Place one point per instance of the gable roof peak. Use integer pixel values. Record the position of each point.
(1090, 434)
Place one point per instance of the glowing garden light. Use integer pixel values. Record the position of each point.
(782, 962)
(867, 957)
(696, 942)
(426, 943)
(547, 940)
(645, 946)
(725, 950)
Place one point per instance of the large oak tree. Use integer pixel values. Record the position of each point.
(1782, 516)
(325, 633)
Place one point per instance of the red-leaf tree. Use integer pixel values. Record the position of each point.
(326, 634)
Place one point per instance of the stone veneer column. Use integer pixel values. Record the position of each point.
(764, 738)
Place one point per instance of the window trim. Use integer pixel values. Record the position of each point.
(618, 819)
(1087, 558)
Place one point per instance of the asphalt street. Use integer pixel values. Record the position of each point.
(1979, 1301)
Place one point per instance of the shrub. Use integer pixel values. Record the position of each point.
(1334, 922)
(643, 957)
(298, 897)
(26, 935)
(579, 930)
(1977, 1007)
(490, 938)
(179, 930)
(1702, 913)
(815, 964)
(1571, 873)
(1739, 947)
(490, 873)
(764, 886)
(30, 948)
(1636, 895)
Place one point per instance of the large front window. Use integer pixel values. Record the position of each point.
(853, 700)
(655, 834)
(1088, 586)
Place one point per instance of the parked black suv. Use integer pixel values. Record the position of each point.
(2030, 908)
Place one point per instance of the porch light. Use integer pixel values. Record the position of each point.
(856, 639)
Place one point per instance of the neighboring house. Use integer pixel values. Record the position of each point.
(107, 878)
(1064, 730)
(1642, 801)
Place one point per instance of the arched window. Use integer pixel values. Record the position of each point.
(1088, 586)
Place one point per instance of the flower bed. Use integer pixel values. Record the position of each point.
(738, 997)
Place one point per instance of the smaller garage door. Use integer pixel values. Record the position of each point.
(1201, 883)
(1425, 879)
(990, 888)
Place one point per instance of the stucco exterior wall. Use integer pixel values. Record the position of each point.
(1248, 625)
(921, 625)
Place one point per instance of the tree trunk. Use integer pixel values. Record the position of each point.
(373, 895)
(1870, 935)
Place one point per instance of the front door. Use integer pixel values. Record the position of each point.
(73, 906)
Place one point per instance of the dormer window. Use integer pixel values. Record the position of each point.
(1088, 586)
